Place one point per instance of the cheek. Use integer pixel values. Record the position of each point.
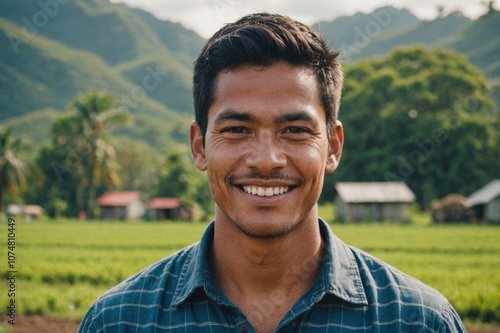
(311, 161)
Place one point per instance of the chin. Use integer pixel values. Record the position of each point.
(265, 231)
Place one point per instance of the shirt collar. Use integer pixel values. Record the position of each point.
(339, 275)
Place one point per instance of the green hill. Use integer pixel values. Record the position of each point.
(480, 43)
(360, 29)
(423, 32)
(39, 72)
(375, 34)
(111, 31)
(163, 79)
(53, 52)
(174, 36)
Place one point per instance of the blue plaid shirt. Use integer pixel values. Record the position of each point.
(354, 292)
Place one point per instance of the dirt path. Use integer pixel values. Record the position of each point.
(42, 324)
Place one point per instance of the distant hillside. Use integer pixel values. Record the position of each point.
(39, 72)
(423, 32)
(174, 36)
(109, 30)
(169, 82)
(480, 43)
(359, 29)
(375, 34)
(52, 52)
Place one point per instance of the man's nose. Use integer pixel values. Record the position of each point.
(266, 153)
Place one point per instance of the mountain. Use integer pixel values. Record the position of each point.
(174, 36)
(422, 32)
(360, 29)
(375, 34)
(40, 72)
(480, 43)
(111, 31)
(55, 50)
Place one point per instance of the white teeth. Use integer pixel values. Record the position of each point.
(265, 191)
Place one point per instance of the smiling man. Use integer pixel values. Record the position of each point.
(267, 93)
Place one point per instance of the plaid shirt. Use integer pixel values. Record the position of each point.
(354, 292)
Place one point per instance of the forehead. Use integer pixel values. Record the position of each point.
(273, 88)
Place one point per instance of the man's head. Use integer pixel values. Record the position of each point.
(263, 40)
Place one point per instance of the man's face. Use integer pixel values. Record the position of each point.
(266, 148)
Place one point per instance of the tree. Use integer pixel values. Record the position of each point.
(180, 178)
(12, 177)
(82, 143)
(490, 5)
(418, 116)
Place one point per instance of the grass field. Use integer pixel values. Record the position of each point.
(62, 266)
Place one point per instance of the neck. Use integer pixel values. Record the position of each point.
(247, 268)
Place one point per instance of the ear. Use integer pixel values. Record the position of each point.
(336, 143)
(197, 148)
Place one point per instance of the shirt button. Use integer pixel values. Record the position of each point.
(243, 328)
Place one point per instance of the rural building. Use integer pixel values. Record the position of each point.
(124, 205)
(163, 208)
(172, 209)
(373, 201)
(485, 202)
(25, 212)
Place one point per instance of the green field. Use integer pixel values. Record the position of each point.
(62, 266)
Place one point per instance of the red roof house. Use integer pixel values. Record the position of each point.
(122, 205)
(163, 208)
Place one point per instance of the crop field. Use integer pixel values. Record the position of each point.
(63, 265)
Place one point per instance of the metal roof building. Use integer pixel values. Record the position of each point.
(373, 201)
(485, 202)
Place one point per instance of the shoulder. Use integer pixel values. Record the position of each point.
(148, 290)
(389, 289)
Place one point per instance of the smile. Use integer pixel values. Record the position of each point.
(265, 191)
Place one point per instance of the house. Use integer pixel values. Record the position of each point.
(373, 201)
(26, 212)
(163, 208)
(485, 202)
(122, 205)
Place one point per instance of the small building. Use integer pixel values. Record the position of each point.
(373, 201)
(485, 202)
(163, 208)
(25, 212)
(121, 205)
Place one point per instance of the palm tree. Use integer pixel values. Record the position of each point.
(12, 177)
(88, 132)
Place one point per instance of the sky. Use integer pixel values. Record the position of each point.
(207, 16)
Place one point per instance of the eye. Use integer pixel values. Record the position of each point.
(235, 130)
(296, 130)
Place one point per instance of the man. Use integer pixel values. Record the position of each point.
(266, 94)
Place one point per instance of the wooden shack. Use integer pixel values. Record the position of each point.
(373, 201)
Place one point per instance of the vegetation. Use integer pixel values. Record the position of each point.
(63, 265)
(419, 116)
(12, 176)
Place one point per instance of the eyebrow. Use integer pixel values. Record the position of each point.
(295, 116)
(234, 115)
(250, 118)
